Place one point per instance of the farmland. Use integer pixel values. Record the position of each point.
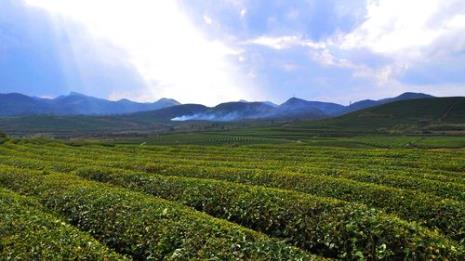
(234, 198)
(304, 130)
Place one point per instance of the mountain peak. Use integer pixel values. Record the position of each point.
(294, 100)
(169, 100)
(77, 94)
(13, 94)
(80, 104)
(272, 104)
(414, 95)
(74, 103)
(72, 96)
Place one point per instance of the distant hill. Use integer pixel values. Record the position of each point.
(293, 108)
(230, 111)
(364, 104)
(85, 125)
(15, 104)
(299, 108)
(237, 111)
(426, 115)
(165, 114)
(432, 115)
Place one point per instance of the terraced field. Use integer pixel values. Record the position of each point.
(283, 201)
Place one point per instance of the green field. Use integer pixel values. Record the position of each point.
(249, 194)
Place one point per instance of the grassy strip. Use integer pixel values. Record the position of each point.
(343, 162)
(443, 189)
(28, 233)
(388, 161)
(431, 211)
(441, 185)
(147, 227)
(434, 212)
(327, 227)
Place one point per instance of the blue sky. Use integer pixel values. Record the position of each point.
(210, 51)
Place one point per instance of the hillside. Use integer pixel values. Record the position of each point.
(230, 111)
(365, 104)
(292, 109)
(430, 115)
(425, 115)
(15, 104)
(163, 115)
(302, 109)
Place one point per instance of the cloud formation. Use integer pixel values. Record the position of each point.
(170, 53)
(284, 42)
(395, 40)
(209, 51)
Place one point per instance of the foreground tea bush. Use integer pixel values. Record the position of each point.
(146, 227)
(327, 227)
(426, 208)
(455, 191)
(439, 185)
(27, 233)
(429, 210)
(318, 172)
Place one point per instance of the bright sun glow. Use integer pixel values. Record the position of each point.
(172, 55)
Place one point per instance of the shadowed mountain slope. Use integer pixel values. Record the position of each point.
(15, 104)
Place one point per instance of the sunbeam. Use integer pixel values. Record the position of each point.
(174, 58)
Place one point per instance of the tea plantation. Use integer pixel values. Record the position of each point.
(249, 199)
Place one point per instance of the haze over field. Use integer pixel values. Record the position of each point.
(210, 52)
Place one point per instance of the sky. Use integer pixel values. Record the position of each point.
(212, 51)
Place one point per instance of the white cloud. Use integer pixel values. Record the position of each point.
(177, 60)
(403, 33)
(410, 29)
(290, 67)
(243, 12)
(407, 28)
(207, 19)
(321, 53)
(381, 76)
(174, 57)
(408, 33)
(284, 42)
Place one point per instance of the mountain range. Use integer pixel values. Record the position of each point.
(293, 108)
(432, 116)
(403, 114)
(15, 104)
